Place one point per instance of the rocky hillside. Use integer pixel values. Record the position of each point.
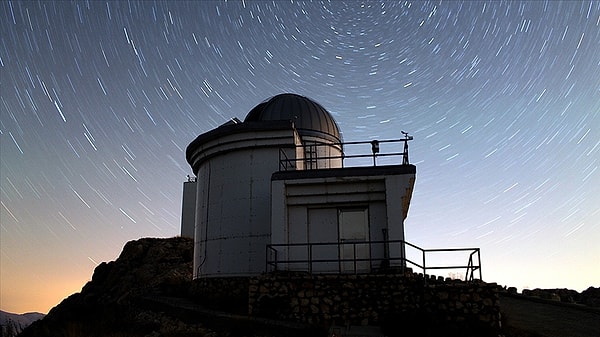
(148, 291)
(107, 305)
(589, 297)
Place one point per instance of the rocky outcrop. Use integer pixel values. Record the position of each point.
(145, 265)
(589, 297)
(107, 305)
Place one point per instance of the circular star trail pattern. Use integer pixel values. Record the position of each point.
(100, 99)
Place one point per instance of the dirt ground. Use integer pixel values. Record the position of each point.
(540, 318)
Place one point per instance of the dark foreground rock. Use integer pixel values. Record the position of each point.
(108, 306)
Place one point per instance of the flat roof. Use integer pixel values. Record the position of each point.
(345, 172)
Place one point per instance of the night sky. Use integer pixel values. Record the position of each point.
(100, 99)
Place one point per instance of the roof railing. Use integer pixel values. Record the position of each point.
(316, 155)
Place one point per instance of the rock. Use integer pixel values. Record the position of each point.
(590, 297)
(108, 304)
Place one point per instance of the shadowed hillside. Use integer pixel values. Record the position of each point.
(106, 306)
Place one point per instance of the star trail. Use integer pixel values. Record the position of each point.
(100, 99)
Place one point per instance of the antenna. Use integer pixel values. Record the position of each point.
(405, 154)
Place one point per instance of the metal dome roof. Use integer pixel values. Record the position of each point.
(308, 116)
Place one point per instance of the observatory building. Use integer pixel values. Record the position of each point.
(280, 190)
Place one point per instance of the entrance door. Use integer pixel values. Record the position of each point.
(322, 228)
(354, 232)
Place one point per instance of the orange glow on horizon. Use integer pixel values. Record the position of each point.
(17, 295)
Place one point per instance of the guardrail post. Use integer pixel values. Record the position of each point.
(354, 253)
(339, 257)
(424, 268)
(310, 262)
(479, 262)
(268, 249)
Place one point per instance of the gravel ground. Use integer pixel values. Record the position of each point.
(541, 318)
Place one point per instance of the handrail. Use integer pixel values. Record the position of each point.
(471, 266)
(286, 163)
(306, 259)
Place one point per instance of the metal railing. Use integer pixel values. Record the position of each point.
(313, 153)
(364, 257)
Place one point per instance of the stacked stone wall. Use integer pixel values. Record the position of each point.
(373, 300)
(229, 293)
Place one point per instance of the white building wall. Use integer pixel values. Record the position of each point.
(399, 191)
(309, 211)
(233, 204)
(240, 210)
(188, 209)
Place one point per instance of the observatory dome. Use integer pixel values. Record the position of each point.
(308, 116)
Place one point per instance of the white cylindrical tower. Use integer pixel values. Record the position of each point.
(234, 163)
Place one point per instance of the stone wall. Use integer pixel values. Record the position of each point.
(373, 300)
(230, 293)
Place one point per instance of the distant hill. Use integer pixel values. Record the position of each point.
(11, 324)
